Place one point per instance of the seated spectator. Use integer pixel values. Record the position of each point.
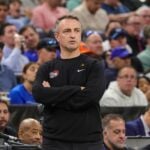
(93, 41)
(12, 51)
(32, 38)
(22, 93)
(110, 26)
(144, 13)
(30, 131)
(4, 119)
(117, 38)
(144, 56)
(116, 10)
(123, 91)
(133, 27)
(144, 85)
(120, 57)
(114, 133)
(46, 50)
(7, 77)
(4, 7)
(45, 15)
(15, 15)
(94, 17)
(139, 126)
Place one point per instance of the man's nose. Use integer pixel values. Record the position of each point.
(72, 34)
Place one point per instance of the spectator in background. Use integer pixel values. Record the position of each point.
(144, 13)
(133, 27)
(120, 57)
(94, 17)
(3, 11)
(123, 91)
(116, 10)
(30, 131)
(4, 119)
(22, 93)
(93, 41)
(110, 26)
(12, 51)
(114, 132)
(32, 38)
(45, 15)
(144, 85)
(15, 15)
(144, 56)
(7, 77)
(139, 126)
(117, 38)
(46, 50)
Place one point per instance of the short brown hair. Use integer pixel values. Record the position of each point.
(65, 17)
(106, 120)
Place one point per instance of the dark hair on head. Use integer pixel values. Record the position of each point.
(65, 17)
(27, 66)
(4, 3)
(3, 26)
(22, 30)
(106, 120)
(4, 102)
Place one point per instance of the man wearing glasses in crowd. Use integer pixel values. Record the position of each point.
(123, 91)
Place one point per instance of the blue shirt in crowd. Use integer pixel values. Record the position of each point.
(19, 95)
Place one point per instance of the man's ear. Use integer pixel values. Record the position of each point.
(20, 134)
(56, 36)
(104, 132)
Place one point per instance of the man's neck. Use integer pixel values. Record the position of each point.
(69, 55)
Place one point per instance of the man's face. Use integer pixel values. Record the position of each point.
(114, 135)
(33, 135)
(4, 116)
(3, 13)
(134, 25)
(14, 9)
(9, 33)
(46, 55)
(94, 42)
(31, 38)
(121, 62)
(145, 17)
(93, 5)
(127, 80)
(69, 34)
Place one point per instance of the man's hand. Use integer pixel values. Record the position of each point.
(19, 41)
(46, 84)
